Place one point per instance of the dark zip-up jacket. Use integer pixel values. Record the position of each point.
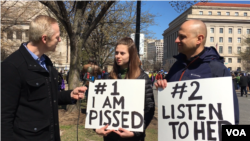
(149, 108)
(208, 64)
(243, 81)
(30, 98)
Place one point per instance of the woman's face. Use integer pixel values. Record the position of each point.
(122, 56)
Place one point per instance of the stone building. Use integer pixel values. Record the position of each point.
(15, 20)
(227, 25)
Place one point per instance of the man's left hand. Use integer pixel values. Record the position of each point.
(78, 93)
(124, 133)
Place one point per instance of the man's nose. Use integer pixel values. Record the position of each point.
(59, 39)
(177, 40)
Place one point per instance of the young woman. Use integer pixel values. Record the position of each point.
(127, 66)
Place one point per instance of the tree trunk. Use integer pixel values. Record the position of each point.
(74, 74)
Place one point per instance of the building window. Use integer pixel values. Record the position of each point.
(10, 35)
(209, 12)
(230, 30)
(239, 40)
(26, 33)
(230, 68)
(229, 60)
(236, 13)
(228, 13)
(247, 40)
(230, 39)
(19, 35)
(221, 39)
(212, 30)
(229, 50)
(211, 39)
(248, 48)
(238, 50)
(221, 30)
(201, 12)
(238, 68)
(239, 31)
(239, 60)
(220, 49)
(245, 13)
(248, 31)
(218, 13)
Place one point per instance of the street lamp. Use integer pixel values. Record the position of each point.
(138, 22)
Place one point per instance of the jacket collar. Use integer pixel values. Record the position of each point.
(31, 62)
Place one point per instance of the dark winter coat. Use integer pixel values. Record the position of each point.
(30, 98)
(208, 64)
(149, 108)
(248, 80)
(234, 82)
(243, 81)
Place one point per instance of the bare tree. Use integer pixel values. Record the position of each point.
(148, 65)
(180, 6)
(167, 66)
(79, 19)
(14, 14)
(245, 56)
(118, 22)
(157, 66)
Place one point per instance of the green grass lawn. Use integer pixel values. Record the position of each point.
(69, 134)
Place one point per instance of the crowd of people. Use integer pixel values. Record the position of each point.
(241, 81)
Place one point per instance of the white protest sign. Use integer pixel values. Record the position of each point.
(195, 110)
(119, 103)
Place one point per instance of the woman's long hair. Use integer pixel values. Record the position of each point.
(133, 64)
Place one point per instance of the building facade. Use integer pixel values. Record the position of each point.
(159, 50)
(227, 26)
(16, 17)
(155, 50)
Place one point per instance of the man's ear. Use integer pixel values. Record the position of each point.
(44, 39)
(200, 39)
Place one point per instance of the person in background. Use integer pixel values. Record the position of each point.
(248, 81)
(126, 67)
(238, 81)
(243, 84)
(61, 85)
(158, 76)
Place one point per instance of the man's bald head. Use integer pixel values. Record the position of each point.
(196, 27)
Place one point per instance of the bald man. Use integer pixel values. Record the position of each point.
(195, 61)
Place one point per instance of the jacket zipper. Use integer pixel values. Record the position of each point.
(187, 67)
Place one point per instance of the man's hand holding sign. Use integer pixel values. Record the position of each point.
(116, 106)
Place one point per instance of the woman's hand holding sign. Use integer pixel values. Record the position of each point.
(102, 131)
(124, 133)
(121, 132)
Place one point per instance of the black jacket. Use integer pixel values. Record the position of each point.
(149, 108)
(30, 99)
(243, 81)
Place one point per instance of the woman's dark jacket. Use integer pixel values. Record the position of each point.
(149, 109)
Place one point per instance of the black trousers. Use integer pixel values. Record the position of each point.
(242, 89)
